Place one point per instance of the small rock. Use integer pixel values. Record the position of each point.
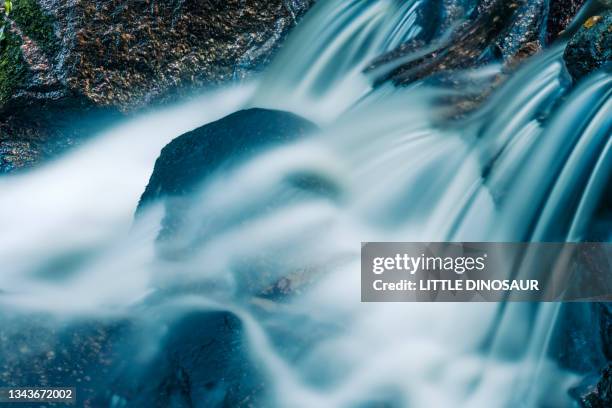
(591, 47)
(601, 396)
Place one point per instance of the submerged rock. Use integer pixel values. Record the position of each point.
(190, 159)
(15, 154)
(193, 359)
(601, 395)
(591, 47)
(125, 54)
(560, 15)
(203, 361)
(37, 349)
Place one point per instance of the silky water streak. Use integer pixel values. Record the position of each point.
(533, 165)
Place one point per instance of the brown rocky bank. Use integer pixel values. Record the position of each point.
(66, 60)
(491, 31)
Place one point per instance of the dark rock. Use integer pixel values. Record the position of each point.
(601, 395)
(125, 54)
(15, 154)
(493, 31)
(560, 15)
(469, 45)
(591, 47)
(37, 349)
(33, 134)
(600, 230)
(496, 30)
(190, 158)
(202, 362)
(580, 339)
(199, 359)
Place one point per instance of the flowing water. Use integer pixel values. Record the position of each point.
(319, 72)
(533, 164)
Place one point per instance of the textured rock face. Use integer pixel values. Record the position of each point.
(490, 31)
(591, 47)
(601, 395)
(123, 54)
(560, 16)
(494, 30)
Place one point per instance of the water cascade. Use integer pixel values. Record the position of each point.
(532, 164)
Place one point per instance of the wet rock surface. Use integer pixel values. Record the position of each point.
(581, 345)
(591, 47)
(200, 361)
(84, 355)
(601, 395)
(203, 363)
(125, 54)
(560, 15)
(494, 30)
(190, 159)
(34, 134)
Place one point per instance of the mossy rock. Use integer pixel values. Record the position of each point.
(36, 24)
(13, 68)
(591, 47)
(94, 57)
(26, 20)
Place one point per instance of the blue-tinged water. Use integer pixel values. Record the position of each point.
(80, 276)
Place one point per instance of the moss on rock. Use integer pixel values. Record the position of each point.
(12, 66)
(591, 47)
(36, 24)
(28, 20)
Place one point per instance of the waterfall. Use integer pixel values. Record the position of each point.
(319, 70)
(533, 164)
